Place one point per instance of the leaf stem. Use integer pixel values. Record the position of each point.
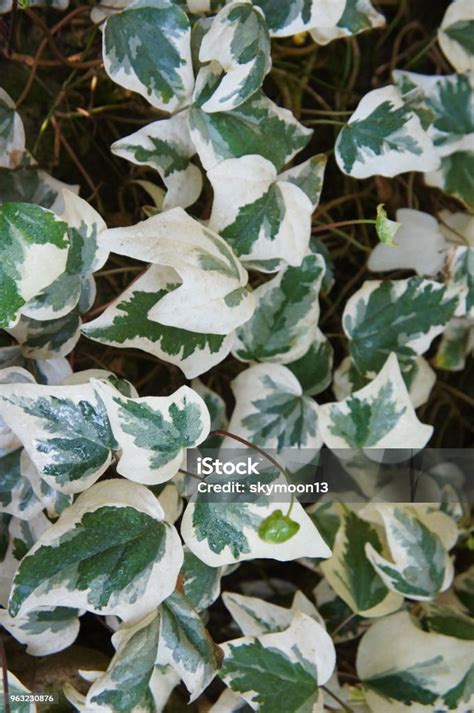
(3, 657)
(244, 441)
(343, 705)
(341, 224)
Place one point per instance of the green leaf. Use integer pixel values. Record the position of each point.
(166, 146)
(280, 672)
(455, 35)
(284, 323)
(379, 415)
(358, 16)
(147, 48)
(239, 42)
(416, 671)
(108, 553)
(262, 216)
(64, 429)
(30, 235)
(153, 432)
(447, 620)
(401, 316)
(350, 573)
(277, 527)
(12, 133)
(289, 17)
(384, 137)
(271, 410)
(420, 567)
(185, 644)
(258, 126)
(314, 369)
(386, 229)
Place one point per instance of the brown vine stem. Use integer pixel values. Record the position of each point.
(341, 224)
(244, 442)
(343, 705)
(6, 697)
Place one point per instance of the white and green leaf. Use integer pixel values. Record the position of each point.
(284, 323)
(358, 16)
(420, 670)
(17, 496)
(238, 41)
(50, 338)
(166, 146)
(455, 176)
(314, 369)
(287, 17)
(147, 48)
(30, 236)
(85, 559)
(12, 133)
(258, 126)
(379, 415)
(264, 217)
(455, 35)
(384, 137)
(126, 323)
(400, 316)
(256, 616)
(44, 631)
(201, 583)
(154, 432)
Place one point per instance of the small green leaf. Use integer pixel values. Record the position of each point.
(12, 133)
(386, 229)
(277, 528)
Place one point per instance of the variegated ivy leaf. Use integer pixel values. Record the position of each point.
(86, 255)
(419, 566)
(16, 538)
(185, 645)
(314, 369)
(384, 137)
(455, 176)
(280, 672)
(201, 583)
(166, 146)
(147, 48)
(212, 293)
(265, 218)
(50, 338)
(216, 406)
(257, 616)
(460, 269)
(446, 620)
(358, 16)
(154, 431)
(380, 415)
(455, 35)
(16, 688)
(238, 42)
(230, 702)
(308, 176)
(258, 126)
(287, 17)
(85, 559)
(44, 631)
(350, 573)
(401, 316)
(221, 533)
(17, 496)
(64, 429)
(417, 374)
(126, 323)
(52, 500)
(464, 590)
(445, 104)
(12, 375)
(457, 342)
(284, 323)
(419, 670)
(421, 246)
(338, 616)
(457, 228)
(271, 410)
(12, 133)
(105, 8)
(29, 184)
(31, 236)
(126, 683)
